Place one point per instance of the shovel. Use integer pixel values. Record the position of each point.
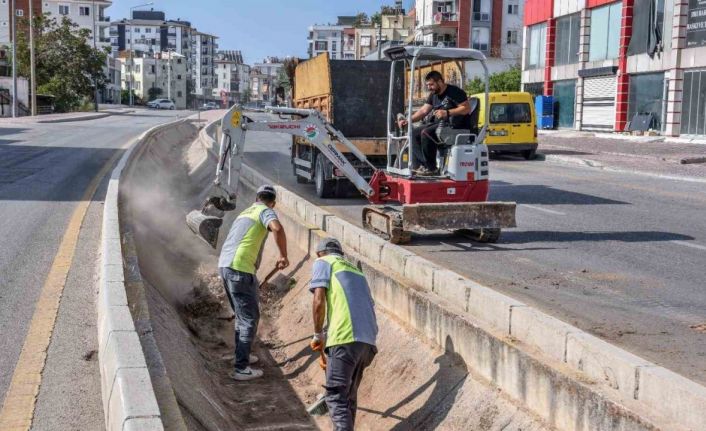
(269, 276)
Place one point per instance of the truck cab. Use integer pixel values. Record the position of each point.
(513, 123)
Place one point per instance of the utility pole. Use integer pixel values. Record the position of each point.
(95, 48)
(169, 75)
(32, 63)
(14, 60)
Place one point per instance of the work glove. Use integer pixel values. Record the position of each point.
(317, 342)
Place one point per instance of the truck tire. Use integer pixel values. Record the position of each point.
(529, 154)
(325, 188)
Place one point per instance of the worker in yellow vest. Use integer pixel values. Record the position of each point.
(238, 263)
(342, 298)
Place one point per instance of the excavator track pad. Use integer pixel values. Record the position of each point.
(480, 221)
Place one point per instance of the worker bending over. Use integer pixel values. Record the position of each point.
(342, 297)
(238, 263)
(446, 104)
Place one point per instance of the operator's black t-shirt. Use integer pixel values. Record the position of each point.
(451, 98)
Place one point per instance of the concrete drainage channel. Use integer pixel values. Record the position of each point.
(453, 354)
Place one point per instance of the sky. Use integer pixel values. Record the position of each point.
(258, 28)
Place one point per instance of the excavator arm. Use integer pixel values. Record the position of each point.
(309, 125)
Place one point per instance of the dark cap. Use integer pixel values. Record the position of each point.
(267, 190)
(329, 245)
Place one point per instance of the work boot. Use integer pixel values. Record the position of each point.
(428, 173)
(247, 374)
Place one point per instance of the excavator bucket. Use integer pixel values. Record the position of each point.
(205, 226)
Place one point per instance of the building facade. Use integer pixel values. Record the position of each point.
(165, 72)
(86, 14)
(608, 63)
(264, 79)
(491, 26)
(327, 38)
(232, 77)
(203, 52)
(394, 28)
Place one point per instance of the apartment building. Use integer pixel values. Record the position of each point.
(264, 79)
(327, 38)
(393, 28)
(164, 71)
(606, 61)
(203, 55)
(232, 77)
(491, 26)
(86, 14)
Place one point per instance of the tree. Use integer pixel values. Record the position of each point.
(361, 20)
(67, 66)
(154, 92)
(247, 96)
(508, 80)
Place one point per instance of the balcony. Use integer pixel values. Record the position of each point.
(445, 17)
(103, 19)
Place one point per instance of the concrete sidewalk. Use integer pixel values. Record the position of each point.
(66, 117)
(652, 155)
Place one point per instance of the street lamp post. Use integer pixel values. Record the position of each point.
(132, 58)
(14, 60)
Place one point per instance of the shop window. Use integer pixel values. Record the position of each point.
(565, 103)
(647, 27)
(693, 119)
(567, 39)
(534, 88)
(605, 32)
(646, 96)
(537, 35)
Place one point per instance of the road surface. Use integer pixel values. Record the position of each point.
(45, 171)
(621, 256)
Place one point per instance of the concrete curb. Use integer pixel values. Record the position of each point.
(578, 161)
(611, 372)
(75, 119)
(129, 400)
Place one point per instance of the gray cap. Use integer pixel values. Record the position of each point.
(329, 245)
(267, 189)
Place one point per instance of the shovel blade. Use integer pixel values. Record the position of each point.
(206, 227)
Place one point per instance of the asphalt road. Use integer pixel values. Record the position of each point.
(44, 171)
(621, 256)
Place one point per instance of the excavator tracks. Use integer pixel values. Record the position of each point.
(386, 222)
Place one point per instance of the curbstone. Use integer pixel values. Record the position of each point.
(351, 236)
(132, 397)
(143, 424)
(335, 227)
(420, 272)
(603, 362)
(681, 400)
(315, 216)
(371, 247)
(540, 331)
(123, 350)
(394, 257)
(113, 319)
(112, 294)
(491, 307)
(113, 272)
(452, 287)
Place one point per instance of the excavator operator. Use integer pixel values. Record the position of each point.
(447, 105)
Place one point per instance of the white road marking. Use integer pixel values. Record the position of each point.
(691, 245)
(544, 210)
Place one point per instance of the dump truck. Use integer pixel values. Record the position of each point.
(352, 95)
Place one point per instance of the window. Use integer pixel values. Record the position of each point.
(333, 56)
(513, 9)
(365, 41)
(648, 30)
(537, 35)
(153, 69)
(148, 30)
(63, 10)
(178, 77)
(481, 10)
(334, 45)
(179, 94)
(19, 12)
(481, 39)
(510, 113)
(137, 30)
(137, 68)
(511, 37)
(565, 102)
(84, 11)
(567, 39)
(605, 32)
(646, 96)
(321, 45)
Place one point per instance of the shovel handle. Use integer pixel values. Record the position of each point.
(269, 276)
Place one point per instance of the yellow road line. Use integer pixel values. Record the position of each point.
(18, 408)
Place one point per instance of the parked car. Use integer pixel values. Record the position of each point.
(161, 104)
(209, 105)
